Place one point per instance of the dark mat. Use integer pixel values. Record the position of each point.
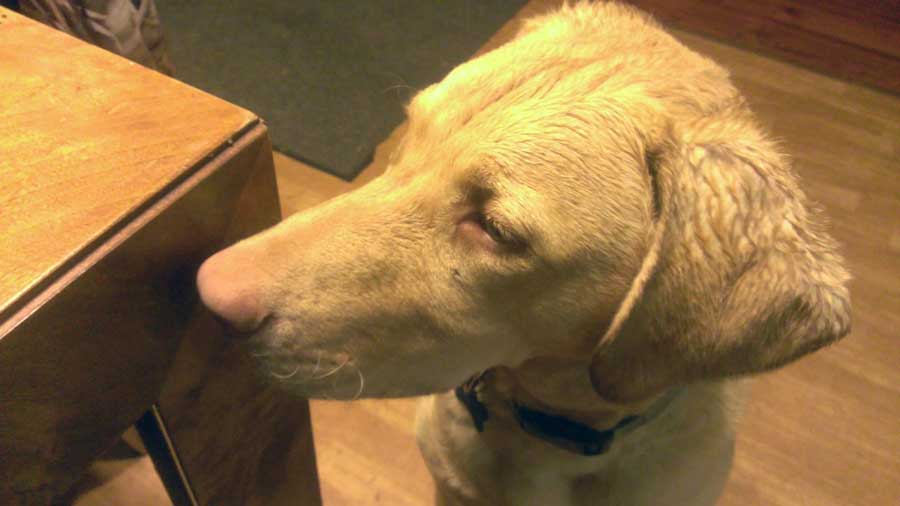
(330, 77)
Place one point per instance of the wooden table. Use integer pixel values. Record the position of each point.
(115, 183)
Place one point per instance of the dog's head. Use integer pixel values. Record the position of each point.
(590, 181)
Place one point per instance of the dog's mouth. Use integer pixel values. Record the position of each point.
(243, 335)
(303, 370)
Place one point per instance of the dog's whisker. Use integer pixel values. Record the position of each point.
(362, 384)
(333, 371)
(316, 368)
(398, 87)
(283, 377)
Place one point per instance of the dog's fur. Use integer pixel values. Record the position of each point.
(591, 211)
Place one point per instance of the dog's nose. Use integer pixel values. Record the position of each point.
(230, 286)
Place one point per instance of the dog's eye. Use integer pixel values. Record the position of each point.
(490, 233)
(495, 230)
(501, 235)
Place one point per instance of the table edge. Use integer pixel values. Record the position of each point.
(26, 302)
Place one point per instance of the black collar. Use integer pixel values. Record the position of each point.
(556, 430)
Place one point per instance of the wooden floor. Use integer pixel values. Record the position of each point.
(824, 431)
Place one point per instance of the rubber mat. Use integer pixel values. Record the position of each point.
(329, 77)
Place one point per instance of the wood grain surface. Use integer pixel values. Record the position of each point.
(854, 40)
(81, 369)
(115, 184)
(85, 139)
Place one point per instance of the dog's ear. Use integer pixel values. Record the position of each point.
(740, 278)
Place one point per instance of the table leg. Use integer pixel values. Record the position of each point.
(158, 442)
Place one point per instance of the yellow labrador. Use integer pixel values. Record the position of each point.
(586, 232)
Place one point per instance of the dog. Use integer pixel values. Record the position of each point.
(580, 249)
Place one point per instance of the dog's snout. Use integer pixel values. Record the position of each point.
(230, 286)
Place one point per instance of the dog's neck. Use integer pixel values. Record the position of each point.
(549, 402)
(559, 386)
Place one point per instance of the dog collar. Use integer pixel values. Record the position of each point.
(559, 431)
